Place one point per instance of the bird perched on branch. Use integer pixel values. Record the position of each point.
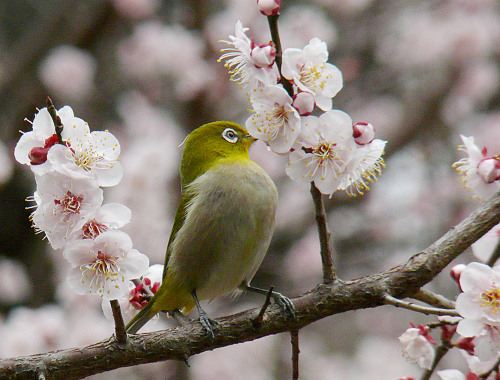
(222, 228)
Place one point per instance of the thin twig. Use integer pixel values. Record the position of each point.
(494, 256)
(275, 36)
(120, 333)
(56, 120)
(324, 236)
(258, 320)
(295, 353)
(390, 300)
(433, 299)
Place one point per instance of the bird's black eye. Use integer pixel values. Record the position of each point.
(230, 135)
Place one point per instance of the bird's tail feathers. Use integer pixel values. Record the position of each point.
(146, 313)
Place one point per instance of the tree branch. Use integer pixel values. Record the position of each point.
(390, 300)
(324, 236)
(433, 299)
(323, 301)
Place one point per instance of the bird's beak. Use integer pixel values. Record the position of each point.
(250, 139)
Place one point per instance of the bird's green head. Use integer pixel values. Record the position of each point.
(208, 144)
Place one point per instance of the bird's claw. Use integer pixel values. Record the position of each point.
(284, 303)
(208, 324)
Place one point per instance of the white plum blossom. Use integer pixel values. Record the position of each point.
(330, 157)
(33, 146)
(107, 217)
(417, 346)
(104, 265)
(308, 69)
(363, 168)
(274, 120)
(479, 304)
(62, 203)
(86, 154)
(326, 147)
(246, 64)
(83, 154)
(478, 172)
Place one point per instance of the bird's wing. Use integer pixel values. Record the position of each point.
(180, 216)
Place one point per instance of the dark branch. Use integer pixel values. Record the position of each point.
(120, 334)
(294, 334)
(324, 236)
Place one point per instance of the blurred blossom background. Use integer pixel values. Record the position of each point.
(421, 72)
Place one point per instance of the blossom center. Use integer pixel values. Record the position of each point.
(311, 76)
(491, 299)
(92, 229)
(87, 158)
(325, 151)
(70, 204)
(104, 268)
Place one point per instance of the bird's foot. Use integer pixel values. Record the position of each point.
(208, 324)
(284, 303)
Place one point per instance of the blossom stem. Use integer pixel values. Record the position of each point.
(441, 351)
(56, 120)
(390, 300)
(494, 256)
(275, 36)
(120, 333)
(324, 236)
(295, 353)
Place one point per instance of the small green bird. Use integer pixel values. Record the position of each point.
(222, 228)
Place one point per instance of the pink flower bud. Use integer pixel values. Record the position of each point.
(304, 103)
(363, 133)
(456, 271)
(489, 169)
(263, 55)
(269, 7)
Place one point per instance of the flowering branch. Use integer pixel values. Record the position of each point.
(433, 299)
(321, 302)
(273, 27)
(421, 309)
(120, 334)
(324, 236)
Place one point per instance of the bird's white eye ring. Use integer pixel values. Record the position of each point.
(230, 135)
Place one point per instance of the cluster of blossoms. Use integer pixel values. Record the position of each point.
(479, 172)
(479, 301)
(70, 170)
(328, 149)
